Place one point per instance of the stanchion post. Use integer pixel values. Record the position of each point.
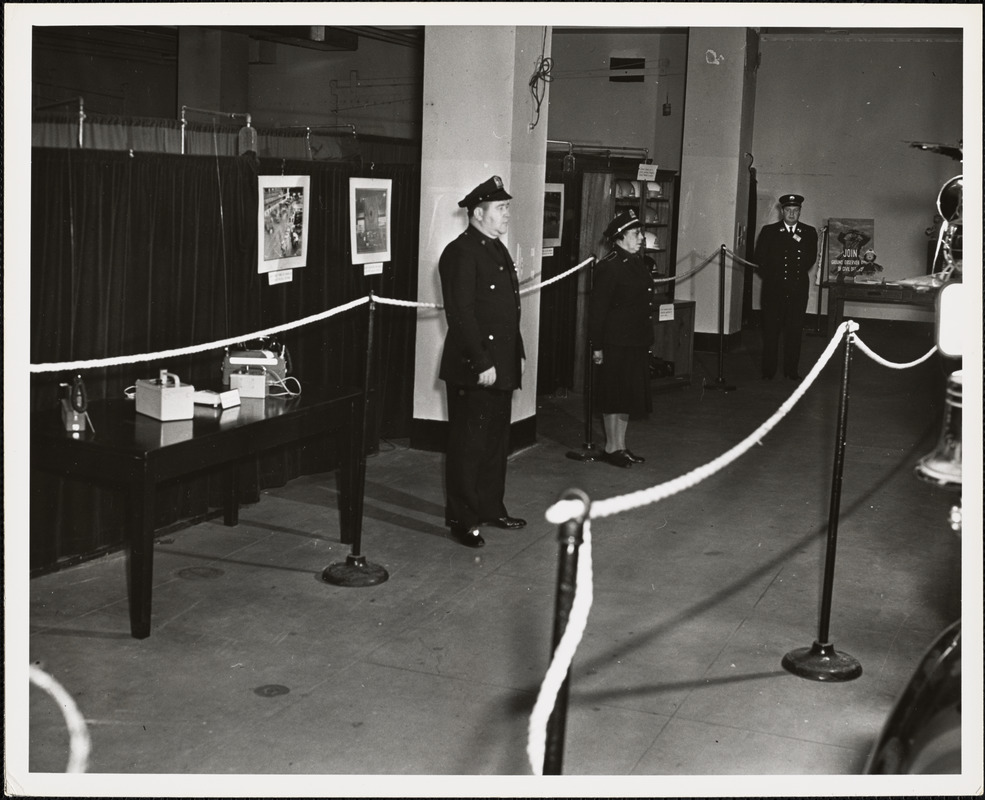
(821, 662)
(588, 452)
(357, 571)
(570, 536)
(720, 380)
(820, 283)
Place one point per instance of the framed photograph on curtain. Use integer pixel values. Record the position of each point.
(282, 225)
(553, 213)
(369, 219)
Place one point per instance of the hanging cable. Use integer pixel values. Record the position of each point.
(540, 79)
(222, 229)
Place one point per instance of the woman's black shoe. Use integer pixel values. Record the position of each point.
(633, 457)
(618, 459)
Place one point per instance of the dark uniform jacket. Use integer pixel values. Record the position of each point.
(619, 312)
(481, 296)
(781, 257)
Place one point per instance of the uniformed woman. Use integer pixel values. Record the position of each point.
(621, 332)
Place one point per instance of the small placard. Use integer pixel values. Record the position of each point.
(280, 276)
(376, 268)
(547, 252)
(666, 312)
(646, 172)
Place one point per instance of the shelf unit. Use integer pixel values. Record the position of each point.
(653, 202)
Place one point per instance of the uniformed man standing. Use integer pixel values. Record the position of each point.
(785, 253)
(482, 363)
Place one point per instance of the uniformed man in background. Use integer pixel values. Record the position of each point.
(482, 364)
(785, 253)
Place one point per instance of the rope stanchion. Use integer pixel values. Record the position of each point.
(545, 746)
(720, 383)
(589, 452)
(356, 570)
(820, 661)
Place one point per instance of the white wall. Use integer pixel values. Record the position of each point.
(833, 122)
(477, 115)
(587, 108)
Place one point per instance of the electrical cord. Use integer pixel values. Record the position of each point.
(281, 388)
(542, 73)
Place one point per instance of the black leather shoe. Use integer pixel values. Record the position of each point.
(507, 522)
(617, 459)
(767, 376)
(633, 457)
(794, 376)
(470, 537)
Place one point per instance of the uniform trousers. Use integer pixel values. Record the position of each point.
(478, 446)
(784, 307)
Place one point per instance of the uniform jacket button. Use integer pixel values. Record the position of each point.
(492, 285)
(490, 336)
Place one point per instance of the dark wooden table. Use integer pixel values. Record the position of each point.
(138, 452)
(894, 293)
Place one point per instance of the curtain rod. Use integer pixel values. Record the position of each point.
(247, 142)
(82, 113)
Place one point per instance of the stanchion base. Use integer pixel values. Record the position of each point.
(586, 455)
(356, 571)
(821, 662)
(721, 386)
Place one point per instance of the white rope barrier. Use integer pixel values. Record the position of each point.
(195, 348)
(564, 653)
(79, 742)
(561, 276)
(94, 363)
(740, 259)
(566, 510)
(389, 301)
(891, 364)
(615, 505)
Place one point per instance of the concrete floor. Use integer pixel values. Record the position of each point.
(256, 666)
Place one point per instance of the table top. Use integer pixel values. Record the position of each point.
(116, 425)
(889, 290)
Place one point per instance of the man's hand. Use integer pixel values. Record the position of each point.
(487, 378)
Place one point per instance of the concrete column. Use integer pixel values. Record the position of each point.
(478, 113)
(213, 70)
(721, 71)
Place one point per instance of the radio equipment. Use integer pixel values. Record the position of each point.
(270, 361)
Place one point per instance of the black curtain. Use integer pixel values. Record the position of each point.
(559, 301)
(139, 253)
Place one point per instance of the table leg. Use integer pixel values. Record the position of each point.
(230, 495)
(836, 310)
(140, 566)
